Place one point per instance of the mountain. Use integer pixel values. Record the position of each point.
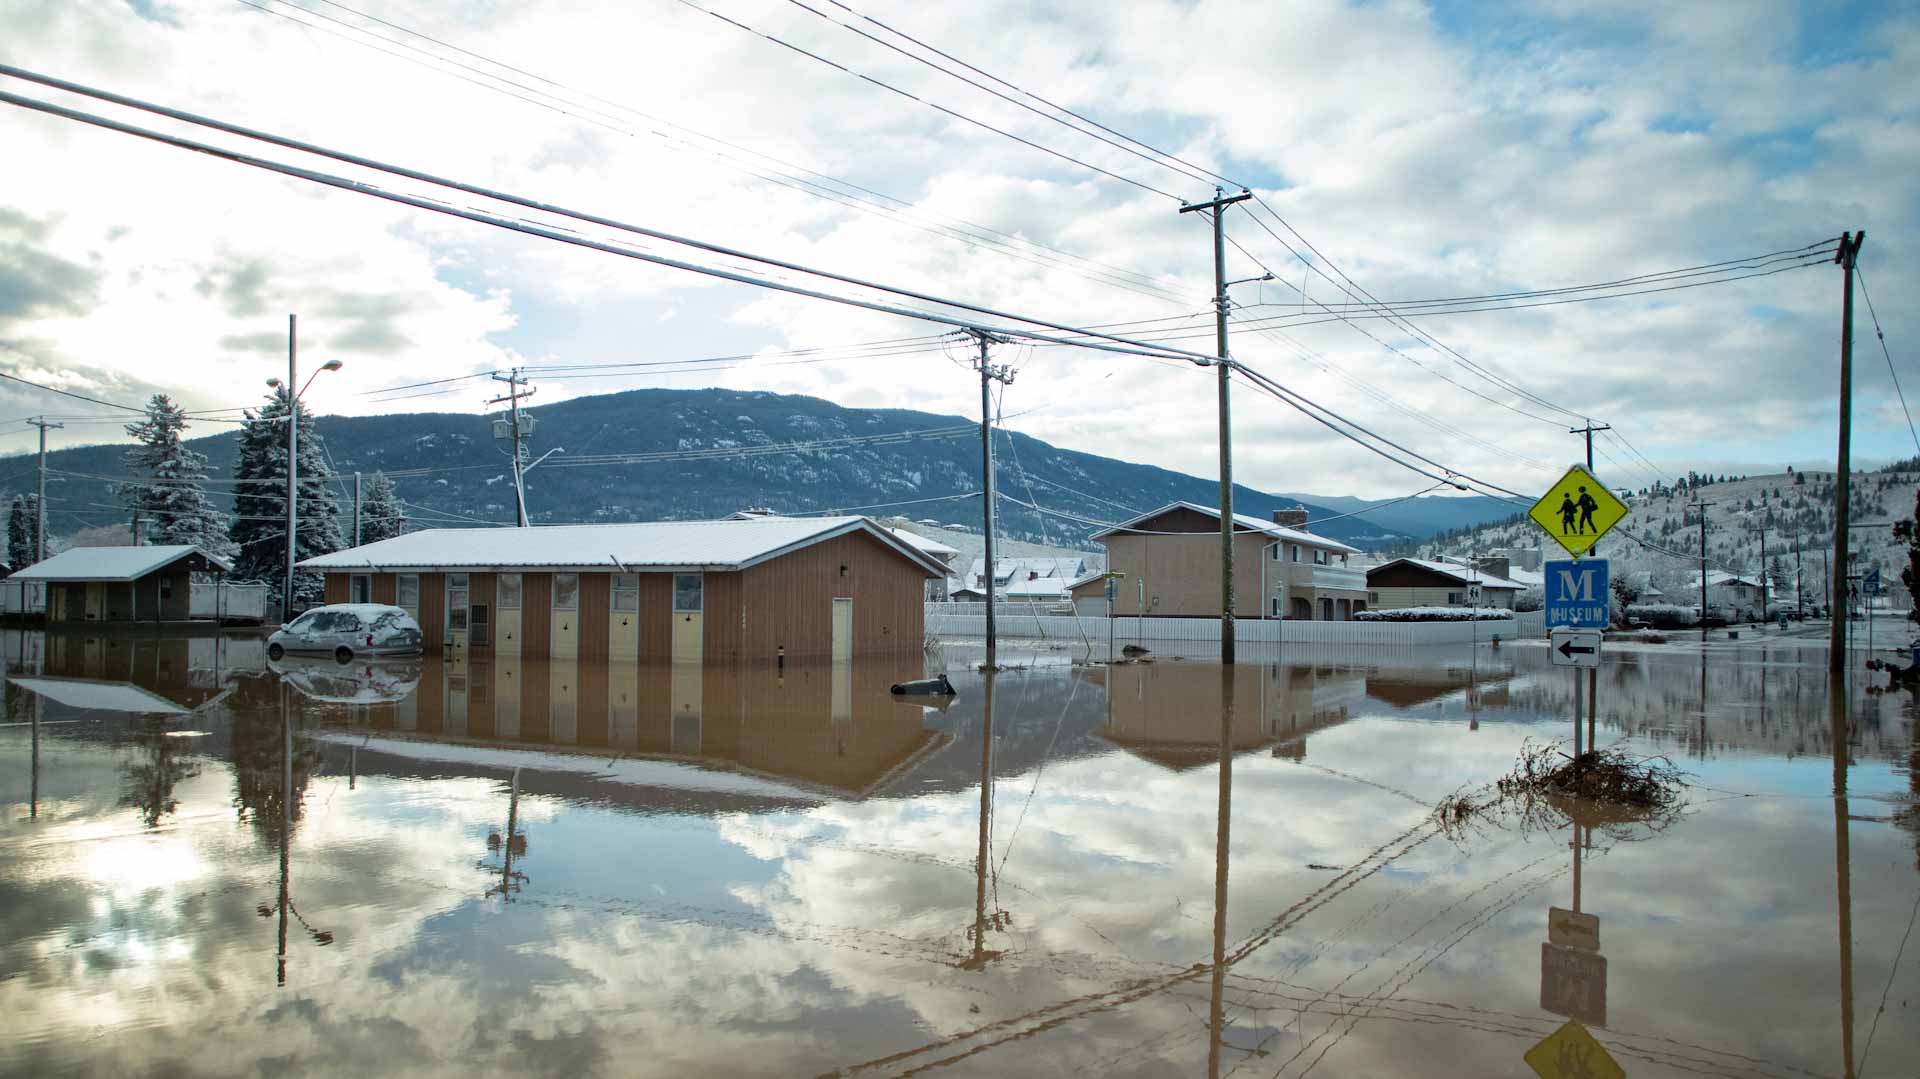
(706, 453)
(1416, 517)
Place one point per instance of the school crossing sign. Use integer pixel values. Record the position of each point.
(1577, 511)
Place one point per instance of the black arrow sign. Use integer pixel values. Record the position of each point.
(1569, 649)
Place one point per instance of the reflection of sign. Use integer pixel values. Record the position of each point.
(1572, 929)
(1577, 511)
(1573, 983)
(1571, 1053)
(1575, 647)
(1576, 593)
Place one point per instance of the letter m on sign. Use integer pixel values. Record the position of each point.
(1577, 593)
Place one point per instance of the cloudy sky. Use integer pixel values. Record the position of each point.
(1425, 150)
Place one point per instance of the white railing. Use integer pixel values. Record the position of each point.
(943, 620)
(1352, 580)
(228, 601)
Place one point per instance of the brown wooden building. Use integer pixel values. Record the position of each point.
(121, 584)
(662, 591)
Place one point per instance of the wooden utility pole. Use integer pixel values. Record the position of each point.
(1593, 676)
(989, 374)
(516, 391)
(1221, 306)
(1702, 508)
(1763, 570)
(1847, 255)
(40, 500)
(356, 509)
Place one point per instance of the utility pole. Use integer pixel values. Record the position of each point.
(1847, 255)
(356, 509)
(1702, 508)
(1763, 571)
(1799, 590)
(136, 528)
(293, 466)
(989, 374)
(518, 433)
(1221, 305)
(40, 501)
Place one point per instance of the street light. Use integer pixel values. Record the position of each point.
(293, 455)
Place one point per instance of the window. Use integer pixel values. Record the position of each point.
(305, 621)
(1276, 606)
(686, 593)
(359, 588)
(457, 601)
(409, 591)
(1276, 552)
(508, 586)
(566, 591)
(626, 591)
(1373, 597)
(1456, 598)
(1293, 552)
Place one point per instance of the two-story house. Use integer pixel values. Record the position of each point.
(1171, 561)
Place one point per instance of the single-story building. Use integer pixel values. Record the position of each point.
(1415, 582)
(1731, 595)
(1171, 558)
(679, 591)
(121, 584)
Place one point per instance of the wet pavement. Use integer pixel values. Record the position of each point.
(213, 865)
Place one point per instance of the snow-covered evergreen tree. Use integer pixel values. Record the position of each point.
(381, 514)
(20, 532)
(171, 496)
(260, 504)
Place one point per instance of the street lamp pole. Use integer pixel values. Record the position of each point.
(294, 392)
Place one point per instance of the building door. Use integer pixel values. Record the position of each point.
(407, 594)
(842, 629)
(564, 642)
(689, 601)
(457, 611)
(506, 614)
(96, 601)
(623, 618)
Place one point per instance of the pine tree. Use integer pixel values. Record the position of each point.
(260, 504)
(382, 516)
(20, 532)
(172, 498)
(1910, 576)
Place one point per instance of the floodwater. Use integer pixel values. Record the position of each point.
(209, 866)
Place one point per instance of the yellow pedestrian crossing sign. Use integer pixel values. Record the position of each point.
(1572, 1053)
(1577, 511)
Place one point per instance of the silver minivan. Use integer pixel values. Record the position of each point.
(344, 630)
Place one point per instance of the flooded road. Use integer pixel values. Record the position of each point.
(213, 865)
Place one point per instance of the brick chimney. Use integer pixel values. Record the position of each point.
(1293, 518)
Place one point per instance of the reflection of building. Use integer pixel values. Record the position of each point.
(680, 591)
(188, 672)
(833, 726)
(1171, 558)
(1169, 713)
(1411, 687)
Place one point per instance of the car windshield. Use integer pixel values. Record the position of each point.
(305, 621)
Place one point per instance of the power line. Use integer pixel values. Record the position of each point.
(1881, 334)
(854, 196)
(552, 233)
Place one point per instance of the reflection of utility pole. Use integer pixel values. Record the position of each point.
(286, 827)
(1842, 863)
(1222, 846)
(981, 955)
(989, 374)
(514, 844)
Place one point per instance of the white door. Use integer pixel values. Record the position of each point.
(623, 618)
(565, 640)
(506, 615)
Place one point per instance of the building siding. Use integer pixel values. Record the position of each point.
(789, 600)
(336, 588)
(595, 603)
(536, 618)
(433, 612)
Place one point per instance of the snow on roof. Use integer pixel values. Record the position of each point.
(1527, 577)
(1052, 587)
(111, 563)
(105, 696)
(1716, 577)
(653, 545)
(931, 546)
(1463, 574)
(1240, 520)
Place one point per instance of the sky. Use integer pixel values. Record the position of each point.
(1421, 150)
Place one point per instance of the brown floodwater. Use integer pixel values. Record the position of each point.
(214, 865)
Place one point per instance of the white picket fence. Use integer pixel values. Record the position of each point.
(1020, 621)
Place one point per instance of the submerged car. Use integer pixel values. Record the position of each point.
(345, 630)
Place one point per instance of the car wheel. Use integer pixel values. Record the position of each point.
(343, 654)
(274, 651)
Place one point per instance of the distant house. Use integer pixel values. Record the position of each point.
(679, 591)
(119, 584)
(945, 555)
(1414, 582)
(1171, 559)
(1733, 595)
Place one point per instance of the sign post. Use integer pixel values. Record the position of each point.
(1576, 512)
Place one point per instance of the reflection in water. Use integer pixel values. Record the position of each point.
(768, 872)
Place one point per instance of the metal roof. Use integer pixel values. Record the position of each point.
(1240, 521)
(111, 563)
(716, 546)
